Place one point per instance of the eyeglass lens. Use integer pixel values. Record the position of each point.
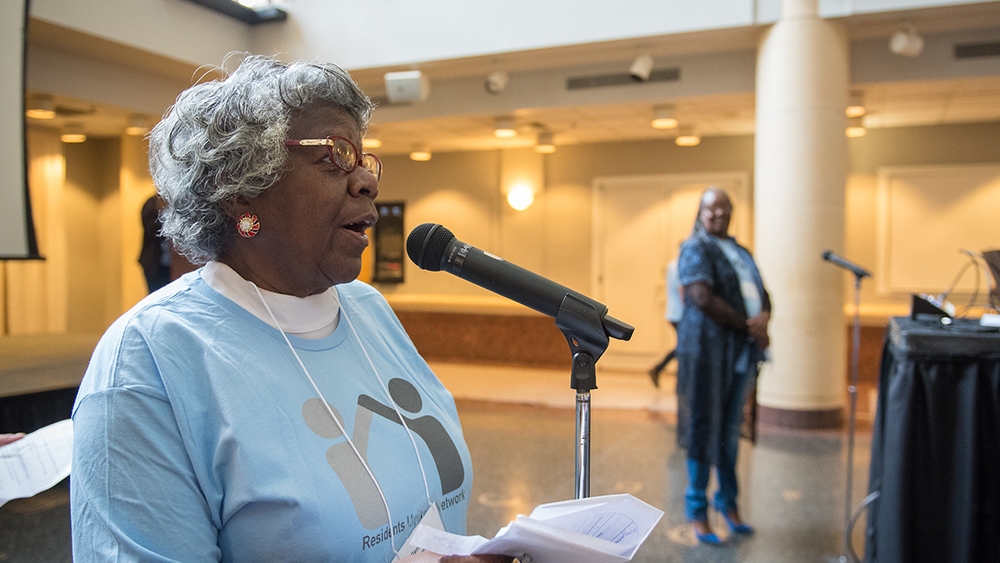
(345, 156)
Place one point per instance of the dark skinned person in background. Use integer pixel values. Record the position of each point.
(721, 342)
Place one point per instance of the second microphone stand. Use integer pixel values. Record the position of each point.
(586, 330)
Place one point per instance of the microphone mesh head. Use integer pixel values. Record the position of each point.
(426, 245)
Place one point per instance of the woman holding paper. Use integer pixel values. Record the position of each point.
(231, 416)
(10, 438)
(721, 341)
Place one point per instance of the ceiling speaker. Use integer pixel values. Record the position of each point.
(406, 87)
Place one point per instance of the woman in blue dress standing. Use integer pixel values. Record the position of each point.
(721, 342)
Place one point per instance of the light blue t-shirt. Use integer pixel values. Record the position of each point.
(675, 304)
(199, 438)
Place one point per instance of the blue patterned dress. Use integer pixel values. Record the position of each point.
(712, 359)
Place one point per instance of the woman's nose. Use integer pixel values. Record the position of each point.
(363, 183)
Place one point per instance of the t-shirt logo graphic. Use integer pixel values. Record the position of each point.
(364, 495)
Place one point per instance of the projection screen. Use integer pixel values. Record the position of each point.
(17, 233)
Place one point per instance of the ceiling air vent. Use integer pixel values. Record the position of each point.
(977, 50)
(623, 79)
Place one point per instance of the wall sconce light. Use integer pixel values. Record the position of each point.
(505, 127)
(420, 153)
(855, 104)
(138, 125)
(371, 143)
(855, 127)
(687, 137)
(73, 133)
(906, 41)
(496, 81)
(641, 67)
(546, 143)
(663, 117)
(521, 196)
(41, 106)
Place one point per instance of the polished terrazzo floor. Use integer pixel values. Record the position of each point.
(520, 426)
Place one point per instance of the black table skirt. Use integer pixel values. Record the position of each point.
(936, 446)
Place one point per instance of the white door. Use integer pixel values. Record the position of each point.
(639, 223)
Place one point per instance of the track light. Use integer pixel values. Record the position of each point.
(855, 127)
(663, 117)
(496, 82)
(641, 67)
(371, 143)
(687, 137)
(41, 106)
(546, 143)
(906, 41)
(420, 153)
(505, 127)
(855, 104)
(138, 125)
(73, 133)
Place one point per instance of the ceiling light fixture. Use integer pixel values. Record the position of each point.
(663, 117)
(855, 127)
(642, 67)
(73, 133)
(496, 81)
(687, 137)
(420, 153)
(855, 104)
(505, 127)
(41, 106)
(138, 125)
(546, 143)
(371, 143)
(906, 41)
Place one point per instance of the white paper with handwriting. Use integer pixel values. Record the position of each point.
(601, 529)
(36, 462)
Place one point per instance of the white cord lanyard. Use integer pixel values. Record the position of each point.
(343, 431)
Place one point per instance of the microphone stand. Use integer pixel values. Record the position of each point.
(584, 330)
(852, 390)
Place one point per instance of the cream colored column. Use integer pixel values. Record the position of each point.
(799, 194)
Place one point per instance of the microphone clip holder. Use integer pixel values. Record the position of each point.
(583, 328)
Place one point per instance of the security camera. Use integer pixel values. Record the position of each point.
(496, 82)
(641, 67)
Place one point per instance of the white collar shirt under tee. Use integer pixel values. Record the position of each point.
(199, 438)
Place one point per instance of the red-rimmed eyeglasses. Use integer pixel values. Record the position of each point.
(344, 154)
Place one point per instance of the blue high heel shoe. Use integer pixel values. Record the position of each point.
(709, 538)
(744, 528)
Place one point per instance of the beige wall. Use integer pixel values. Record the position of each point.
(87, 217)
(977, 143)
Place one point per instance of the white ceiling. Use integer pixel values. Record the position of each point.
(889, 104)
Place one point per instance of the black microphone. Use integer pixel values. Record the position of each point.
(829, 256)
(432, 247)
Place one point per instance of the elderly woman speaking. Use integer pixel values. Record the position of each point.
(266, 407)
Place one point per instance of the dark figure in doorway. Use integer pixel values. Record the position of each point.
(155, 255)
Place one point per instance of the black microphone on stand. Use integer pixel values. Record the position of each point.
(829, 256)
(432, 247)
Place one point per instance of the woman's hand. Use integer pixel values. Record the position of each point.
(9, 438)
(428, 557)
(757, 328)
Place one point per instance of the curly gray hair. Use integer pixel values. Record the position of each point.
(225, 138)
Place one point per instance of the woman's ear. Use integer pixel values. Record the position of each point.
(236, 207)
